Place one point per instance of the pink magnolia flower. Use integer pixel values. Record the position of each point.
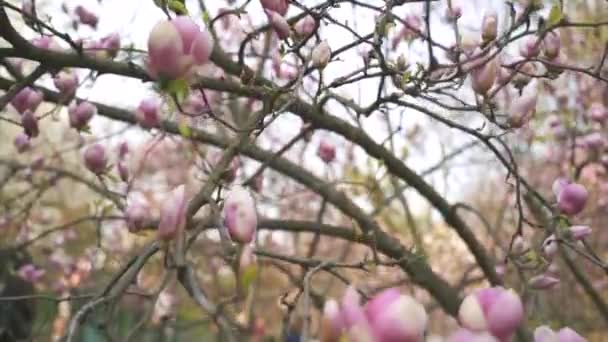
(530, 47)
(111, 44)
(453, 13)
(240, 215)
(137, 216)
(22, 142)
(484, 76)
(95, 159)
(411, 30)
(572, 199)
(66, 82)
(30, 124)
(279, 24)
(86, 17)
(489, 26)
(80, 114)
(597, 112)
(551, 45)
(147, 114)
(45, 42)
(546, 334)
(543, 282)
(305, 26)
(279, 6)
(495, 310)
(30, 273)
(27, 99)
(394, 317)
(464, 335)
(175, 46)
(579, 232)
(522, 109)
(326, 151)
(173, 214)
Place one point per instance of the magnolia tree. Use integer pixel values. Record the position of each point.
(339, 170)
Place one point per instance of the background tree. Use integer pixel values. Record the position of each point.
(289, 170)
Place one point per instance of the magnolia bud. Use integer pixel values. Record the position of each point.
(545, 334)
(551, 45)
(483, 77)
(572, 199)
(27, 99)
(66, 82)
(326, 151)
(165, 52)
(279, 6)
(597, 112)
(396, 317)
(453, 13)
(321, 55)
(279, 24)
(22, 142)
(594, 141)
(489, 26)
(80, 114)
(523, 75)
(111, 44)
(86, 17)
(305, 26)
(240, 216)
(196, 42)
(530, 47)
(173, 214)
(522, 109)
(147, 114)
(496, 310)
(30, 124)
(549, 246)
(579, 232)
(137, 216)
(543, 282)
(175, 46)
(45, 42)
(464, 335)
(95, 159)
(558, 185)
(30, 273)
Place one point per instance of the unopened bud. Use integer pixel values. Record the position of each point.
(30, 124)
(321, 55)
(240, 215)
(95, 159)
(173, 214)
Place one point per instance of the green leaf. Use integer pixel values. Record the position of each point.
(555, 16)
(184, 130)
(248, 276)
(179, 88)
(178, 6)
(206, 18)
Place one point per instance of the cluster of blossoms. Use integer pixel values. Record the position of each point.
(487, 315)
